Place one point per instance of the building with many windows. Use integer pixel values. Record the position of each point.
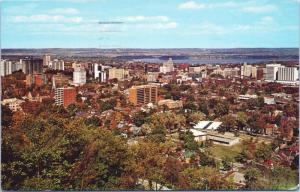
(143, 94)
(46, 60)
(32, 65)
(119, 74)
(57, 64)
(287, 74)
(14, 104)
(6, 67)
(65, 96)
(271, 71)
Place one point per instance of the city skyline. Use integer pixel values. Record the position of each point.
(167, 24)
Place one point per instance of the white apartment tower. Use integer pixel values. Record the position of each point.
(271, 71)
(79, 75)
(100, 72)
(46, 60)
(6, 67)
(167, 66)
(287, 74)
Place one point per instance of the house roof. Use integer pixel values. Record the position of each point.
(197, 133)
(207, 125)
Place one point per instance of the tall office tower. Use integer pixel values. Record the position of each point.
(79, 75)
(57, 64)
(65, 96)
(32, 65)
(167, 66)
(6, 67)
(46, 60)
(117, 73)
(287, 74)
(143, 94)
(100, 72)
(271, 71)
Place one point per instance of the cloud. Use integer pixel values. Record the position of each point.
(64, 11)
(46, 19)
(140, 18)
(245, 6)
(260, 9)
(195, 5)
(148, 22)
(191, 5)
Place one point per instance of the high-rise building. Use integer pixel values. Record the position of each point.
(57, 64)
(59, 80)
(100, 72)
(287, 74)
(38, 79)
(248, 71)
(79, 75)
(65, 96)
(271, 71)
(6, 67)
(32, 65)
(46, 60)
(143, 94)
(167, 66)
(119, 74)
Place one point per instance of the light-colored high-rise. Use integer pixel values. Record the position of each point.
(248, 71)
(57, 64)
(100, 72)
(6, 67)
(79, 75)
(271, 71)
(287, 74)
(46, 60)
(167, 66)
(119, 74)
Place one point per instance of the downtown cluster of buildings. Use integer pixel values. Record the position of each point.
(65, 91)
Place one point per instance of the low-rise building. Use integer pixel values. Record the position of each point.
(171, 104)
(14, 104)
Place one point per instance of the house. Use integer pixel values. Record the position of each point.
(270, 129)
(269, 101)
(207, 125)
(14, 104)
(198, 135)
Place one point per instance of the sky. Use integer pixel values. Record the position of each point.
(149, 23)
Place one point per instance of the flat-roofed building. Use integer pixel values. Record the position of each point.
(143, 94)
(32, 65)
(271, 71)
(14, 104)
(119, 74)
(207, 125)
(287, 74)
(65, 96)
(171, 104)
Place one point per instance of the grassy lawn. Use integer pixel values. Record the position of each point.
(221, 151)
